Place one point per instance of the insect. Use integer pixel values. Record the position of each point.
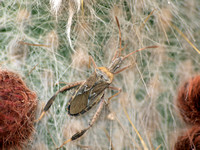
(91, 91)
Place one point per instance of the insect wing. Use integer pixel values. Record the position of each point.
(78, 103)
(86, 96)
(95, 91)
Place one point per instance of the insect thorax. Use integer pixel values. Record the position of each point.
(104, 74)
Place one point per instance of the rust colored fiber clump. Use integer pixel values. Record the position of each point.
(188, 101)
(190, 140)
(17, 111)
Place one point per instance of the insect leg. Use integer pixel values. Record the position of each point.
(93, 120)
(96, 115)
(114, 88)
(51, 100)
(154, 46)
(123, 69)
(93, 62)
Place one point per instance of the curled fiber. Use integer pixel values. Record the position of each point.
(188, 101)
(189, 140)
(17, 111)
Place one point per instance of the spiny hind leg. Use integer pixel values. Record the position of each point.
(51, 100)
(93, 120)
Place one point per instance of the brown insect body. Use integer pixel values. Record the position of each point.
(90, 92)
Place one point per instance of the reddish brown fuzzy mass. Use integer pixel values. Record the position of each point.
(190, 140)
(17, 111)
(188, 101)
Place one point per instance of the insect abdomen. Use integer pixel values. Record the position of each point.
(77, 104)
(81, 110)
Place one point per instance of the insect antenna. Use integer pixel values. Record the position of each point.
(118, 53)
(154, 46)
(126, 67)
(120, 35)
